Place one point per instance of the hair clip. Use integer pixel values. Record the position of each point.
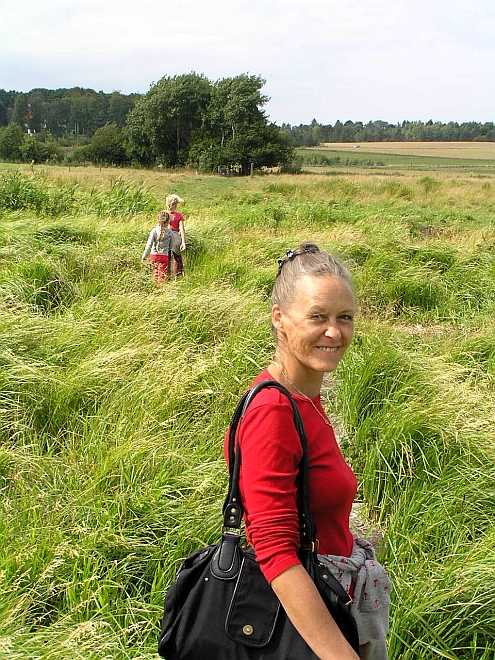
(290, 254)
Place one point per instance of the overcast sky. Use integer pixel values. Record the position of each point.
(329, 59)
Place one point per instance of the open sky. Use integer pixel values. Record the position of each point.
(328, 59)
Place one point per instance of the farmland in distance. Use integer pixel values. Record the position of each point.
(469, 156)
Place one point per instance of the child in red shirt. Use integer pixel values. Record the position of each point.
(178, 232)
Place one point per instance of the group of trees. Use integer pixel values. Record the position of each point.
(188, 119)
(64, 112)
(310, 135)
(17, 145)
(182, 120)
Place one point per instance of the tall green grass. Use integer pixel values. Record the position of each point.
(115, 395)
(19, 192)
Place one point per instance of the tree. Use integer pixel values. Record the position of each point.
(3, 113)
(119, 107)
(108, 145)
(11, 140)
(236, 103)
(34, 150)
(20, 113)
(162, 124)
(237, 132)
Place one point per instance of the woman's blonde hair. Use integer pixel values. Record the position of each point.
(173, 199)
(307, 259)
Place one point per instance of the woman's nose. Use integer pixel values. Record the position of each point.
(333, 331)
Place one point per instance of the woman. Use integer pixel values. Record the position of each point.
(159, 246)
(179, 234)
(313, 310)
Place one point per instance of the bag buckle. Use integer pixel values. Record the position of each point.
(233, 531)
(314, 546)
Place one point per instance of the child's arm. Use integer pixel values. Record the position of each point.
(182, 234)
(149, 245)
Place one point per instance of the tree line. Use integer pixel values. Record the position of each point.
(310, 135)
(184, 120)
(64, 112)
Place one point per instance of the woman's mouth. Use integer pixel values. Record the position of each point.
(328, 349)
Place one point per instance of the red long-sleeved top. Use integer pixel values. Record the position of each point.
(271, 451)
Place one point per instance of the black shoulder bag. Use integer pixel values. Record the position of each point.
(221, 607)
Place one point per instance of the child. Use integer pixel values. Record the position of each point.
(159, 247)
(179, 234)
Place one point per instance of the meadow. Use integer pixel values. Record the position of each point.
(436, 156)
(115, 394)
(473, 150)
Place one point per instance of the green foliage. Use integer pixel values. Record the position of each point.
(310, 135)
(108, 145)
(476, 351)
(161, 125)
(122, 198)
(11, 141)
(19, 192)
(38, 149)
(79, 155)
(39, 285)
(62, 234)
(187, 119)
(64, 112)
(22, 192)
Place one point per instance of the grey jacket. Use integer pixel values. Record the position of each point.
(371, 599)
(156, 246)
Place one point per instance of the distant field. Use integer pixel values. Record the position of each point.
(469, 156)
(476, 150)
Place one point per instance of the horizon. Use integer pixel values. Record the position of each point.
(322, 123)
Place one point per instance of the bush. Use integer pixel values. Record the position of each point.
(35, 149)
(11, 141)
(81, 154)
(108, 145)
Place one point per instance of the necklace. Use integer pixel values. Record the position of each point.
(284, 375)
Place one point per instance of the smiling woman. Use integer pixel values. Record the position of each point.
(313, 315)
(313, 310)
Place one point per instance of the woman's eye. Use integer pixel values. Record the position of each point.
(347, 317)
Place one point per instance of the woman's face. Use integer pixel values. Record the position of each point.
(316, 328)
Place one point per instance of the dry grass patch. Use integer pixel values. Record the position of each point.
(481, 150)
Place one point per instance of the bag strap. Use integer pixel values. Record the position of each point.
(232, 508)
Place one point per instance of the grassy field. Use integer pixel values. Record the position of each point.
(472, 150)
(436, 156)
(115, 394)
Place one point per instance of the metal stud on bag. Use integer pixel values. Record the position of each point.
(248, 629)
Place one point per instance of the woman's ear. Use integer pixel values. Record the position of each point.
(277, 317)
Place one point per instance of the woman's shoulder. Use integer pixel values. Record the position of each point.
(270, 396)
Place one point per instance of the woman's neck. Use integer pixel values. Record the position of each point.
(296, 377)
